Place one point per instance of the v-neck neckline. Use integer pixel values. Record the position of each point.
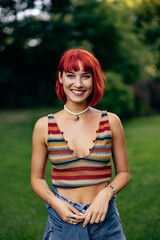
(71, 150)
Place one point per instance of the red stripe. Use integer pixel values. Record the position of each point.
(82, 169)
(84, 177)
(52, 125)
(54, 132)
(103, 122)
(104, 129)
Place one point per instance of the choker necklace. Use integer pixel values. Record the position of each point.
(76, 114)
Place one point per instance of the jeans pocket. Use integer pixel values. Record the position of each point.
(48, 232)
(54, 220)
(113, 205)
(54, 225)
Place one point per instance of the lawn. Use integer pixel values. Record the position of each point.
(23, 214)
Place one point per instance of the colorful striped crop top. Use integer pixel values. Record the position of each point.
(69, 171)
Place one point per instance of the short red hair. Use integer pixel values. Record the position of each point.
(69, 62)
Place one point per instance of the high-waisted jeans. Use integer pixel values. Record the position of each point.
(109, 229)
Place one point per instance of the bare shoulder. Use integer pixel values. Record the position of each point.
(115, 123)
(41, 123)
(41, 127)
(113, 118)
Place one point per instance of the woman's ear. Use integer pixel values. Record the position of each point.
(60, 77)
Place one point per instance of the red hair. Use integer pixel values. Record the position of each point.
(69, 62)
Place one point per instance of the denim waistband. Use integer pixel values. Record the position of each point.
(79, 206)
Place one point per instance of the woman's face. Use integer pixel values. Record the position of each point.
(77, 85)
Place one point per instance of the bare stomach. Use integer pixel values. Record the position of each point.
(83, 194)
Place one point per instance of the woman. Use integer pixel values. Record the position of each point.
(80, 141)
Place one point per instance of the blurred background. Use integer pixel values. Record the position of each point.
(125, 36)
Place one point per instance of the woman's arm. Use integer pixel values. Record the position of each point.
(38, 167)
(98, 208)
(119, 153)
(39, 160)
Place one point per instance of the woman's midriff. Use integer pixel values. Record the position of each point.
(82, 195)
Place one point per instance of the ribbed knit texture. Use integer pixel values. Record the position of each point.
(69, 171)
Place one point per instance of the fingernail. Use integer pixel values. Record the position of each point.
(81, 213)
(83, 225)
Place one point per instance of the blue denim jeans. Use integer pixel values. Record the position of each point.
(109, 229)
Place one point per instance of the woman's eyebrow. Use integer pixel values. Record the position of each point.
(75, 72)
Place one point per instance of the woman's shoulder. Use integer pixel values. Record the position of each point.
(113, 117)
(41, 124)
(41, 121)
(114, 121)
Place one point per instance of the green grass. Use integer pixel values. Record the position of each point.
(23, 214)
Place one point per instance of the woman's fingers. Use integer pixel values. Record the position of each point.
(75, 211)
(75, 219)
(74, 216)
(68, 213)
(98, 219)
(88, 217)
(103, 217)
(93, 216)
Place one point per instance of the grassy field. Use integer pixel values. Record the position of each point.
(23, 214)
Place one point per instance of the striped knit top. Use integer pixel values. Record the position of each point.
(69, 171)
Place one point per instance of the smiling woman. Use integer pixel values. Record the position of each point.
(80, 142)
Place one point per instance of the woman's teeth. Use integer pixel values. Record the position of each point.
(77, 92)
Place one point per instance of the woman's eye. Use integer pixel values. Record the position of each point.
(86, 76)
(70, 75)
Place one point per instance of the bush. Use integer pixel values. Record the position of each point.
(147, 96)
(118, 97)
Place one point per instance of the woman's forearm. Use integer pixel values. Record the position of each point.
(41, 188)
(118, 183)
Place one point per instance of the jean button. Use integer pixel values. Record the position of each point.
(85, 207)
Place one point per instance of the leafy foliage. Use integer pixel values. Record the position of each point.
(34, 34)
(118, 97)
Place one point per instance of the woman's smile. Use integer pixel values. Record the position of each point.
(77, 92)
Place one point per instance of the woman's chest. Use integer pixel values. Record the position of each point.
(80, 138)
(83, 139)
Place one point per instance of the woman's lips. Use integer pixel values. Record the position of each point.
(78, 92)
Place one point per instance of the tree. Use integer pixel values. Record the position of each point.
(148, 25)
(32, 41)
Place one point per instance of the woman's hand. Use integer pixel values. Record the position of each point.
(98, 209)
(67, 212)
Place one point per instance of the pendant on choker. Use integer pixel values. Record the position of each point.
(76, 117)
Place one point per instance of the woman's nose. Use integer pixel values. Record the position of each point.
(78, 82)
